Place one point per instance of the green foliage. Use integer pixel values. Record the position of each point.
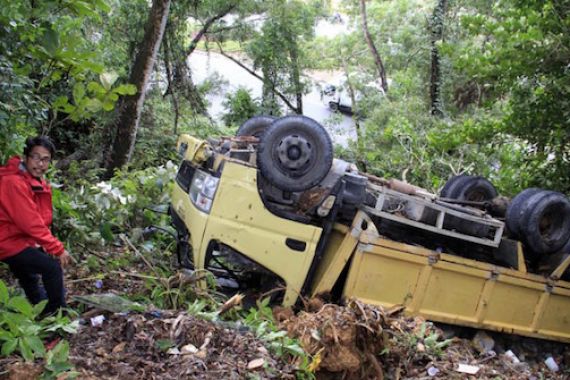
(92, 212)
(240, 106)
(261, 321)
(277, 50)
(22, 331)
(57, 362)
(49, 64)
(429, 340)
(520, 56)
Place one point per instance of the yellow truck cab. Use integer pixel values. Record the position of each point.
(270, 211)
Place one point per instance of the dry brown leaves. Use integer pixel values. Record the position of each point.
(127, 348)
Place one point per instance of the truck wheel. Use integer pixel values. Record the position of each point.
(469, 188)
(295, 154)
(333, 106)
(255, 126)
(517, 208)
(545, 223)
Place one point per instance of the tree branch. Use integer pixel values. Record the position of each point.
(205, 28)
(249, 70)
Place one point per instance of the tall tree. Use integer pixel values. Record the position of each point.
(276, 50)
(370, 42)
(436, 25)
(130, 108)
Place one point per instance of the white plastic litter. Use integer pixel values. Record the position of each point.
(97, 321)
(551, 364)
(466, 368)
(432, 371)
(511, 355)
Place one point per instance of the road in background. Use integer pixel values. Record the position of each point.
(204, 65)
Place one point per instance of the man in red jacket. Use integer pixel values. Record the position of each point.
(26, 242)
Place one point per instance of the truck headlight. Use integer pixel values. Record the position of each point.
(202, 190)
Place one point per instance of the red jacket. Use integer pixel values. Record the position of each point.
(25, 212)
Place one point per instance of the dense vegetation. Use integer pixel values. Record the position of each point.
(479, 87)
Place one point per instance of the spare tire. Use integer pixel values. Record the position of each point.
(451, 184)
(545, 222)
(295, 153)
(469, 188)
(255, 126)
(516, 209)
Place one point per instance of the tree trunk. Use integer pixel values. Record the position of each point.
(294, 54)
(130, 107)
(435, 75)
(372, 47)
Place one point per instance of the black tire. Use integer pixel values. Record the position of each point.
(451, 184)
(473, 189)
(516, 209)
(545, 222)
(295, 154)
(255, 126)
(333, 106)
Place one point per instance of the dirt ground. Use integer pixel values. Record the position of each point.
(350, 341)
(354, 341)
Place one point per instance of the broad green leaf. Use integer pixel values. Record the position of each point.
(9, 346)
(108, 105)
(6, 335)
(25, 350)
(125, 89)
(94, 105)
(60, 101)
(106, 232)
(108, 79)
(295, 349)
(21, 305)
(3, 293)
(50, 41)
(78, 92)
(39, 307)
(102, 5)
(36, 345)
(95, 88)
(71, 328)
(61, 351)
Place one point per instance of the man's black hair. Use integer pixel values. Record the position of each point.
(44, 141)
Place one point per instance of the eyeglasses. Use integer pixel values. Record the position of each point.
(38, 159)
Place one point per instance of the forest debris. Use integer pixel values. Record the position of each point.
(341, 335)
(255, 363)
(483, 342)
(109, 302)
(234, 301)
(466, 368)
(119, 347)
(223, 353)
(188, 349)
(24, 371)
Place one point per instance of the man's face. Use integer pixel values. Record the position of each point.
(37, 162)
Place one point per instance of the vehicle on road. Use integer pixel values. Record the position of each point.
(271, 211)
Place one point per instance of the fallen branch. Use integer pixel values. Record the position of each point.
(148, 263)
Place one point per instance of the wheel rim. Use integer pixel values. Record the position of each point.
(294, 152)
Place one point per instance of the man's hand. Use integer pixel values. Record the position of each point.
(64, 258)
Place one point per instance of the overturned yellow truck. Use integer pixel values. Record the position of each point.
(271, 211)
